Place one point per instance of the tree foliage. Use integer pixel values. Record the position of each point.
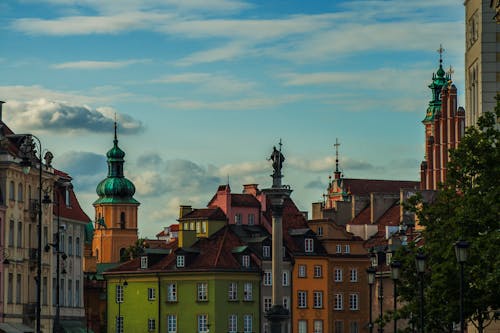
(466, 207)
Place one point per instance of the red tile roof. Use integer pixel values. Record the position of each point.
(390, 217)
(205, 213)
(363, 217)
(244, 200)
(364, 187)
(74, 211)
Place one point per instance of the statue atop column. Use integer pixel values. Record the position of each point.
(278, 159)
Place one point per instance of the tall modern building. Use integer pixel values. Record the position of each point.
(482, 57)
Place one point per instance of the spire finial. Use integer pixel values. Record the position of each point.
(336, 145)
(116, 136)
(440, 51)
(450, 72)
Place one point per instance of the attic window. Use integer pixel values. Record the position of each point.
(237, 219)
(180, 261)
(67, 197)
(266, 251)
(245, 261)
(309, 245)
(144, 262)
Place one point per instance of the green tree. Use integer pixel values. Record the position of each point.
(133, 251)
(466, 207)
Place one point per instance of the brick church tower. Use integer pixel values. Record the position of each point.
(115, 211)
(444, 127)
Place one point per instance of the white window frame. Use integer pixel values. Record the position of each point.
(181, 260)
(248, 291)
(302, 326)
(318, 326)
(245, 260)
(347, 248)
(302, 299)
(309, 245)
(238, 220)
(266, 251)
(247, 323)
(119, 297)
(232, 325)
(338, 303)
(285, 278)
(144, 262)
(171, 292)
(338, 248)
(151, 294)
(202, 323)
(286, 302)
(119, 324)
(202, 289)
(318, 271)
(268, 278)
(171, 323)
(320, 231)
(354, 275)
(151, 324)
(268, 303)
(338, 274)
(353, 302)
(232, 292)
(302, 271)
(317, 299)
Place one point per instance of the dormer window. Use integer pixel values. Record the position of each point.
(266, 251)
(237, 219)
(180, 261)
(245, 261)
(144, 262)
(320, 231)
(251, 219)
(309, 245)
(67, 198)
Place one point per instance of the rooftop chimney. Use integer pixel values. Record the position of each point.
(1, 104)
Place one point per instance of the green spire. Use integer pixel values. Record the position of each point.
(439, 80)
(115, 188)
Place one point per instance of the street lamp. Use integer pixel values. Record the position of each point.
(420, 263)
(461, 253)
(28, 150)
(395, 273)
(371, 280)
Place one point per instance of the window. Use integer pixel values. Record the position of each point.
(62, 243)
(286, 278)
(192, 226)
(180, 261)
(266, 251)
(339, 326)
(144, 262)
(202, 292)
(70, 245)
(232, 325)
(45, 297)
(62, 299)
(251, 219)
(247, 323)
(353, 302)
(302, 326)
(54, 299)
(245, 261)
(354, 327)
(20, 192)
(18, 288)
(198, 227)
(338, 302)
(338, 274)
(171, 292)
(237, 218)
(11, 233)
(320, 231)
(302, 299)
(302, 271)
(12, 190)
(119, 293)
(119, 324)
(347, 248)
(233, 291)
(10, 295)
(151, 294)
(122, 220)
(338, 248)
(70, 293)
(19, 234)
(151, 324)
(318, 271)
(354, 275)
(268, 278)
(268, 303)
(203, 323)
(171, 323)
(77, 293)
(318, 299)
(309, 245)
(318, 326)
(247, 291)
(286, 302)
(67, 198)
(78, 250)
(204, 227)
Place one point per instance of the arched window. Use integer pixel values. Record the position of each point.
(20, 192)
(122, 220)
(12, 191)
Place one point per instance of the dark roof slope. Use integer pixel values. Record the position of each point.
(205, 213)
(363, 187)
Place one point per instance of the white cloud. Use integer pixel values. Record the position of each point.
(89, 64)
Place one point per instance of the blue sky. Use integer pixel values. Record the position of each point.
(203, 89)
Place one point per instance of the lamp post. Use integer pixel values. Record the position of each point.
(371, 280)
(28, 149)
(420, 263)
(395, 272)
(461, 253)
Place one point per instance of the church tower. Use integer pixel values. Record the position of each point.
(115, 210)
(444, 127)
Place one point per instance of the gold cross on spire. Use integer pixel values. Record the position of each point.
(440, 51)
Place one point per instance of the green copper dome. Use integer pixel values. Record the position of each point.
(439, 80)
(115, 188)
